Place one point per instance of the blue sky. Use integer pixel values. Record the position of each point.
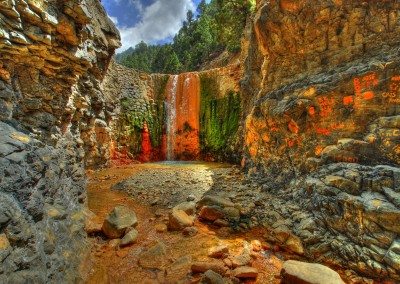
(153, 21)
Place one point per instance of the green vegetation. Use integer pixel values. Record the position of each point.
(219, 117)
(133, 121)
(218, 26)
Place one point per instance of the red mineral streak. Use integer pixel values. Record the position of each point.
(326, 105)
(348, 100)
(322, 131)
(146, 154)
(364, 83)
(311, 111)
(120, 156)
(368, 95)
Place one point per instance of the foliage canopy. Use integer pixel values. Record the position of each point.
(218, 26)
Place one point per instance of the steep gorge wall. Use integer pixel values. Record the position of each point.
(321, 91)
(53, 56)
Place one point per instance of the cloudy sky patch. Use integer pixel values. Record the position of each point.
(152, 21)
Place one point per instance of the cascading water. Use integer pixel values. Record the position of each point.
(183, 105)
(171, 117)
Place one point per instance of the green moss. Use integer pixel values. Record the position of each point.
(159, 86)
(219, 117)
(132, 121)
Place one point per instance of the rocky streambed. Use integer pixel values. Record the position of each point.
(185, 223)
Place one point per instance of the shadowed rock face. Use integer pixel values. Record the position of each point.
(53, 55)
(322, 124)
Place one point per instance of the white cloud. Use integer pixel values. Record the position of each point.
(160, 20)
(137, 4)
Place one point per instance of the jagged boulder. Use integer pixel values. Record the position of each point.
(118, 221)
(178, 220)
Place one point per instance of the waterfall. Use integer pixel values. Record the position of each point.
(171, 117)
(183, 106)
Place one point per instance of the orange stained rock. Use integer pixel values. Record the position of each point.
(326, 105)
(4, 74)
(293, 127)
(311, 110)
(119, 156)
(318, 150)
(322, 131)
(348, 100)
(291, 5)
(253, 151)
(290, 142)
(145, 155)
(186, 96)
(252, 135)
(368, 95)
(365, 82)
(266, 138)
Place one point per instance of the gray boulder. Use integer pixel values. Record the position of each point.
(119, 219)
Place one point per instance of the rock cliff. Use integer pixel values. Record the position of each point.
(322, 125)
(312, 112)
(53, 55)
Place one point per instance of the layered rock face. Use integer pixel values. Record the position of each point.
(189, 116)
(53, 55)
(321, 92)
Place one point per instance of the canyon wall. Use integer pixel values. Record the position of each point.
(136, 124)
(53, 56)
(322, 129)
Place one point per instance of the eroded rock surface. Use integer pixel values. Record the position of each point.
(322, 129)
(53, 55)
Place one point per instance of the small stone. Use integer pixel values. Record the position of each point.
(214, 265)
(179, 220)
(190, 231)
(211, 277)
(117, 221)
(218, 251)
(161, 228)
(297, 272)
(245, 272)
(129, 238)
